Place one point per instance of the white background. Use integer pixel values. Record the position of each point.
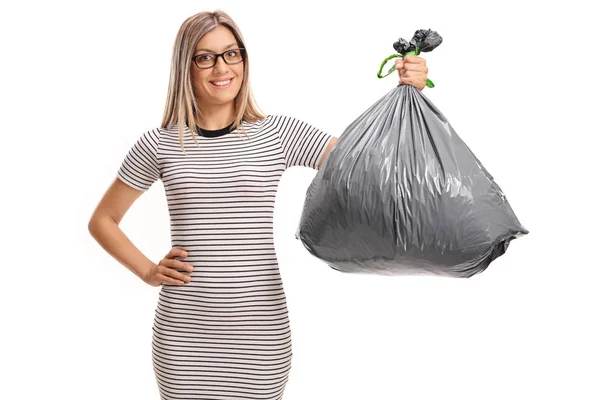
(516, 79)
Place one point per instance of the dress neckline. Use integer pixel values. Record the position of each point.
(214, 132)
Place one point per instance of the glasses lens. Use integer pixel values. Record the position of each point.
(205, 61)
(233, 56)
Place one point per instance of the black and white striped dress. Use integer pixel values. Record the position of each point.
(225, 335)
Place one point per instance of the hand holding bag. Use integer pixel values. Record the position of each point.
(400, 193)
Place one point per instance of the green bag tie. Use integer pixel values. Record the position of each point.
(429, 83)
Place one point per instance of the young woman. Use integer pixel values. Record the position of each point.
(221, 328)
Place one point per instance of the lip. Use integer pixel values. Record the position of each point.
(223, 87)
(221, 79)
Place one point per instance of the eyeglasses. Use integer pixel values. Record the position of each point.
(231, 56)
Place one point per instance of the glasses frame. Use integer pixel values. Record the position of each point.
(222, 55)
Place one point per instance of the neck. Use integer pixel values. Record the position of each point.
(216, 116)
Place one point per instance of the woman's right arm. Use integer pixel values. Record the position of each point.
(138, 171)
(104, 227)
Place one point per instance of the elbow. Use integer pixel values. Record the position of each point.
(95, 224)
(92, 226)
(101, 226)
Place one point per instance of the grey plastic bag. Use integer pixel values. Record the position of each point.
(400, 193)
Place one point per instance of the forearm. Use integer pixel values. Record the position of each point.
(112, 239)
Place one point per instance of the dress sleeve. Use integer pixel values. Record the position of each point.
(140, 167)
(302, 144)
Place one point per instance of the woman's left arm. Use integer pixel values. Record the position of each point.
(330, 145)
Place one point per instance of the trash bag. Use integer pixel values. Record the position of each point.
(401, 194)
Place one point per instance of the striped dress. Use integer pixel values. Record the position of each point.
(225, 335)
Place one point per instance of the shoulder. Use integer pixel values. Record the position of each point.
(258, 122)
(288, 124)
(268, 123)
(284, 122)
(278, 118)
(149, 138)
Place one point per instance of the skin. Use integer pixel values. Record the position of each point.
(412, 71)
(218, 106)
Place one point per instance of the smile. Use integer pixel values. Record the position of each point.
(222, 84)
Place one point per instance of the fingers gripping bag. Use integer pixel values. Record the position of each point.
(401, 194)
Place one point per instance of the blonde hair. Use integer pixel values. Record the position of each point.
(182, 106)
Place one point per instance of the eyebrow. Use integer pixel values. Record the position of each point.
(231, 45)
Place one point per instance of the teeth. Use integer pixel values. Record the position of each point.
(221, 83)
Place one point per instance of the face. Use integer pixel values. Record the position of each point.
(217, 41)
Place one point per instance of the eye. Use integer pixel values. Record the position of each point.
(205, 57)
